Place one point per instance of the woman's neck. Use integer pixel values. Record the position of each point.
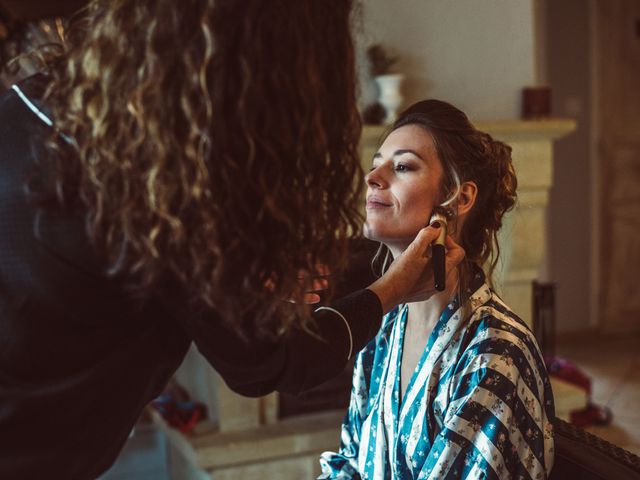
(422, 318)
(424, 315)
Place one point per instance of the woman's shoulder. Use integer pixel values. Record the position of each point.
(495, 335)
(499, 353)
(494, 319)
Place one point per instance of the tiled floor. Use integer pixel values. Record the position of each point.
(614, 368)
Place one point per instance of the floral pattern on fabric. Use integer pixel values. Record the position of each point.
(479, 403)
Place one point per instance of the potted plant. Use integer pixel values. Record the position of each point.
(381, 68)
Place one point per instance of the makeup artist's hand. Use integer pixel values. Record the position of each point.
(410, 276)
(317, 280)
(309, 284)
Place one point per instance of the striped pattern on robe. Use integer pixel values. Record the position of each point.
(479, 403)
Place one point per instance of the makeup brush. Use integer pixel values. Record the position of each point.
(439, 217)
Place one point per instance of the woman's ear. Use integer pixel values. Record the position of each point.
(466, 198)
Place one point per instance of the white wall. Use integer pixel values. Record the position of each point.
(476, 54)
(570, 204)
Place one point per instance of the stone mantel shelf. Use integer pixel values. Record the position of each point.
(548, 128)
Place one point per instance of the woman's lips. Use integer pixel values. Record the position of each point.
(376, 203)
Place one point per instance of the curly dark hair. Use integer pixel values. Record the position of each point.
(28, 30)
(468, 154)
(13, 35)
(214, 142)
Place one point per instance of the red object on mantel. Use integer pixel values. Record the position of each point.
(536, 102)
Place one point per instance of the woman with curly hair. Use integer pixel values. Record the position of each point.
(452, 387)
(164, 183)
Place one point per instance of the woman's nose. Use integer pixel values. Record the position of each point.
(375, 178)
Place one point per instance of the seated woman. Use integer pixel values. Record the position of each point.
(454, 386)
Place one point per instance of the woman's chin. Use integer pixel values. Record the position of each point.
(377, 235)
(394, 244)
(371, 233)
(378, 231)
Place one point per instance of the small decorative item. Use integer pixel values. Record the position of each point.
(536, 102)
(388, 82)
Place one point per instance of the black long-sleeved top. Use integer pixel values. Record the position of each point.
(79, 359)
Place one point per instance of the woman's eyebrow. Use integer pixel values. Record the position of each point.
(407, 150)
(400, 152)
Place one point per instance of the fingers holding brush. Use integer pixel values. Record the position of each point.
(454, 253)
(439, 219)
(410, 278)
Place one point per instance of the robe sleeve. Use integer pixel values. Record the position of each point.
(291, 363)
(344, 464)
(498, 420)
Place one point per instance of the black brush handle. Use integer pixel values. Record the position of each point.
(439, 273)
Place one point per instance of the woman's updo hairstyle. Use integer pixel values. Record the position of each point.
(468, 154)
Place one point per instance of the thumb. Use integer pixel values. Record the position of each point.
(425, 237)
(455, 253)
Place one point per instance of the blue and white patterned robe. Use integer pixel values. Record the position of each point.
(479, 403)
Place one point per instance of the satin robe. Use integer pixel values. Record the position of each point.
(479, 403)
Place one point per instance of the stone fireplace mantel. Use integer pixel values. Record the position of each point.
(247, 440)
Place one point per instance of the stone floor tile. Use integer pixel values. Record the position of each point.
(622, 431)
(614, 368)
(626, 401)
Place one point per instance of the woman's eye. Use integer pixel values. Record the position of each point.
(401, 167)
